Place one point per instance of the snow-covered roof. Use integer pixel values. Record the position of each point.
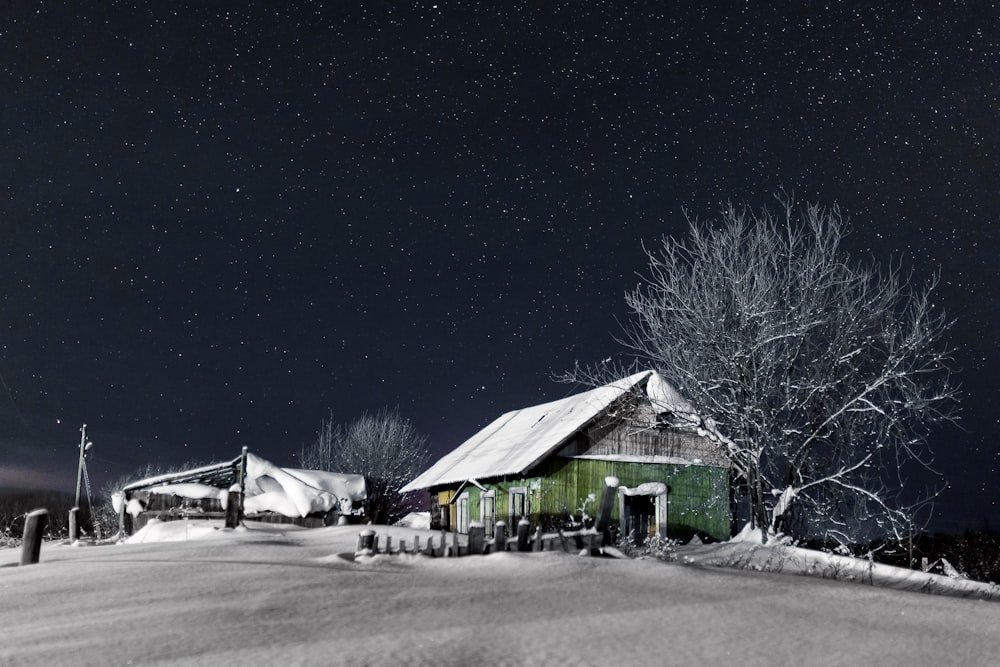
(518, 440)
(215, 474)
(293, 492)
(268, 488)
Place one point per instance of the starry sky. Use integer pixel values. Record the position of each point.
(219, 222)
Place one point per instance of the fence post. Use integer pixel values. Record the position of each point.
(608, 497)
(31, 544)
(366, 543)
(477, 538)
(74, 528)
(121, 516)
(233, 508)
(523, 530)
(500, 537)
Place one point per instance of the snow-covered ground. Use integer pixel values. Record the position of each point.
(191, 593)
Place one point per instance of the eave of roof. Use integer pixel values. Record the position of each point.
(216, 474)
(517, 441)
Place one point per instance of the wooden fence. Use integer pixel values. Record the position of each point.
(583, 542)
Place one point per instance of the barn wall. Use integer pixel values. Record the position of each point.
(627, 438)
(698, 502)
(698, 498)
(502, 489)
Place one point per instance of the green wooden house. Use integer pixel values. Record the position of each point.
(548, 463)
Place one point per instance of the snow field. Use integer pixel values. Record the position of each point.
(280, 595)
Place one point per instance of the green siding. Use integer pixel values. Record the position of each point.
(698, 501)
(698, 498)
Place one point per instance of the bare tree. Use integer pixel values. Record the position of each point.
(820, 375)
(384, 447)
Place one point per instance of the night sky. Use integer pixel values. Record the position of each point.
(218, 223)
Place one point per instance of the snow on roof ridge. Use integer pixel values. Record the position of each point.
(517, 440)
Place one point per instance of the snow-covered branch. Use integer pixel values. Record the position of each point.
(823, 374)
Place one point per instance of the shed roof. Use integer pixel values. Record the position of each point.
(288, 491)
(221, 475)
(518, 440)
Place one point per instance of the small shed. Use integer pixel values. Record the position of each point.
(548, 462)
(269, 493)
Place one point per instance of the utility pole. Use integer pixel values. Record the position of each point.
(79, 468)
(74, 514)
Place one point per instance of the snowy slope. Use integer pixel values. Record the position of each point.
(280, 595)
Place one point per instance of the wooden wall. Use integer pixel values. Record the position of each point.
(698, 502)
(625, 438)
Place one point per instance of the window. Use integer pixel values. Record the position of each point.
(488, 510)
(519, 508)
(463, 512)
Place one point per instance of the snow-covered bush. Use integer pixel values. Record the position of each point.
(655, 546)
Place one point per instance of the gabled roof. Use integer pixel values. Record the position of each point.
(517, 441)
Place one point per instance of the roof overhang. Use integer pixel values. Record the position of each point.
(220, 475)
(463, 486)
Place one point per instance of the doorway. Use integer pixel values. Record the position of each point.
(642, 511)
(639, 518)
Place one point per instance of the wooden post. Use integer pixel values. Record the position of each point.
(402, 546)
(608, 497)
(477, 537)
(31, 544)
(430, 546)
(121, 517)
(593, 542)
(74, 528)
(454, 544)
(523, 531)
(366, 543)
(500, 537)
(416, 544)
(233, 508)
(537, 546)
(243, 484)
(388, 545)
